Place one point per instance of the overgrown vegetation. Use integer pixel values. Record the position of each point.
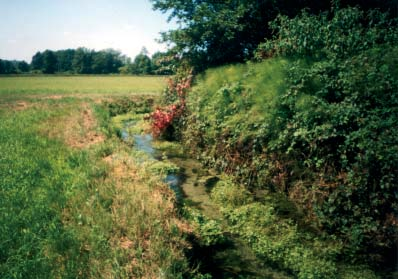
(276, 238)
(316, 121)
(213, 33)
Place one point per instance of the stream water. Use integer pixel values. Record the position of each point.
(192, 185)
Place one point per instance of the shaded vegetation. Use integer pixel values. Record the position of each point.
(315, 121)
(212, 33)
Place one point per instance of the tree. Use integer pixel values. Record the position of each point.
(8, 67)
(64, 60)
(216, 32)
(37, 61)
(2, 68)
(163, 63)
(23, 67)
(49, 62)
(107, 61)
(82, 61)
(142, 64)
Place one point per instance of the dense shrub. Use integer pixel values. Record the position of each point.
(319, 125)
(343, 108)
(165, 118)
(278, 240)
(124, 105)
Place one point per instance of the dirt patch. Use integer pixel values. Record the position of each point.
(54, 97)
(77, 129)
(16, 105)
(22, 106)
(88, 136)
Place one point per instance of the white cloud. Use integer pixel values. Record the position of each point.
(126, 38)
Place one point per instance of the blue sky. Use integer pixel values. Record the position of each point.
(28, 26)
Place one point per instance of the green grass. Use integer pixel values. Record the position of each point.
(18, 86)
(74, 207)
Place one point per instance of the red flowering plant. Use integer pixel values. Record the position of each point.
(163, 118)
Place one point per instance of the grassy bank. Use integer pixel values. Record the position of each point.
(277, 126)
(75, 201)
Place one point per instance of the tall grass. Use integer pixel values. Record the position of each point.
(81, 212)
(36, 175)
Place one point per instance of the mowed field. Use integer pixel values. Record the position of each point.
(75, 200)
(15, 87)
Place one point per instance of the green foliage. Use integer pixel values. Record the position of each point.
(163, 63)
(224, 134)
(278, 240)
(208, 232)
(142, 64)
(13, 67)
(78, 61)
(213, 33)
(49, 62)
(343, 106)
(163, 168)
(347, 33)
(318, 125)
(124, 105)
(86, 61)
(226, 193)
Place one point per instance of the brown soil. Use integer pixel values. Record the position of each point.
(89, 135)
(77, 129)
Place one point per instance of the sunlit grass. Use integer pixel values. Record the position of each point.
(74, 207)
(19, 86)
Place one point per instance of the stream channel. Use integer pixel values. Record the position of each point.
(192, 185)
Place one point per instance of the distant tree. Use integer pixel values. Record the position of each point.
(49, 62)
(82, 61)
(2, 68)
(163, 63)
(99, 63)
(13, 67)
(37, 61)
(64, 60)
(23, 67)
(9, 67)
(142, 64)
(107, 61)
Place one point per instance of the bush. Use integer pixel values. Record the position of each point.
(343, 106)
(317, 124)
(208, 232)
(226, 193)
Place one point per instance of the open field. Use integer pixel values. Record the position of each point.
(16, 87)
(74, 202)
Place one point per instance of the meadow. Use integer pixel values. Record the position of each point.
(14, 87)
(74, 200)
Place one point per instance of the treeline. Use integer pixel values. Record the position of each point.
(13, 67)
(86, 61)
(214, 33)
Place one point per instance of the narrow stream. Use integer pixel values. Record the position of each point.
(192, 185)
